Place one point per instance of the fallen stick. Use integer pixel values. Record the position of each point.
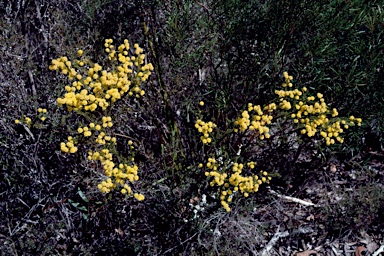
(293, 199)
(273, 241)
(378, 251)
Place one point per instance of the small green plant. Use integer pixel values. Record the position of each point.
(309, 115)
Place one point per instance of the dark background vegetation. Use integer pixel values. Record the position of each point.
(226, 53)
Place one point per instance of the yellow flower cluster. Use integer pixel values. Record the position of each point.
(288, 80)
(42, 115)
(26, 120)
(98, 88)
(106, 186)
(205, 129)
(256, 118)
(102, 139)
(87, 131)
(235, 181)
(212, 164)
(120, 173)
(311, 112)
(116, 175)
(69, 146)
(130, 144)
(139, 197)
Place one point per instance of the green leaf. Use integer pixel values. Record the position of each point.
(75, 204)
(82, 195)
(82, 208)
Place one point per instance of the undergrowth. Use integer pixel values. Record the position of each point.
(210, 124)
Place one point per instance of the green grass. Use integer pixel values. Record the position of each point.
(226, 53)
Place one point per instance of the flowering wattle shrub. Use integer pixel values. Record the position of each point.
(94, 89)
(92, 92)
(309, 114)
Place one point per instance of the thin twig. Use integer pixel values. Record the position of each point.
(180, 243)
(29, 131)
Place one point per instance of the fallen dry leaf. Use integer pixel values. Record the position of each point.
(371, 247)
(333, 168)
(119, 231)
(306, 253)
(366, 238)
(310, 217)
(360, 251)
